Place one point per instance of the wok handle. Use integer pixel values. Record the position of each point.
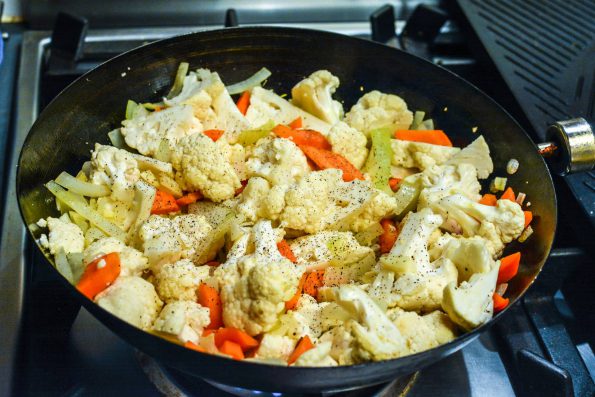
(570, 146)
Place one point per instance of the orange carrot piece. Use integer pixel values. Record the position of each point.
(434, 137)
(286, 251)
(235, 335)
(291, 304)
(241, 188)
(213, 263)
(508, 195)
(99, 275)
(394, 183)
(389, 235)
(213, 134)
(303, 137)
(209, 297)
(327, 159)
(295, 124)
(528, 217)
(164, 203)
(232, 349)
(509, 267)
(193, 346)
(488, 199)
(303, 346)
(314, 280)
(243, 102)
(500, 303)
(189, 198)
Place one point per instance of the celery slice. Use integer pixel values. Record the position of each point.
(134, 110)
(378, 164)
(83, 188)
(250, 137)
(418, 118)
(407, 195)
(251, 82)
(181, 73)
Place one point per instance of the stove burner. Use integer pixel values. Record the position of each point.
(173, 383)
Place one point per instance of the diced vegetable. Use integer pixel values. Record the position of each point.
(488, 199)
(501, 288)
(192, 346)
(134, 110)
(250, 137)
(509, 267)
(500, 303)
(208, 296)
(235, 335)
(389, 236)
(286, 251)
(83, 188)
(418, 118)
(378, 164)
(213, 134)
(295, 124)
(327, 159)
(303, 137)
(251, 82)
(393, 183)
(244, 102)
(526, 234)
(99, 275)
(434, 137)
(232, 349)
(302, 346)
(528, 217)
(314, 280)
(512, 166)
(407, 195)
(520, 198)
(164, 203)
(498, 184)
(181, 73)
(290, 304)
(189, 198)
(508, 195)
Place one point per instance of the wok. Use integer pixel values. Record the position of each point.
(65, 132)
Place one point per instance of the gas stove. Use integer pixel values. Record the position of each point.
(49, 346)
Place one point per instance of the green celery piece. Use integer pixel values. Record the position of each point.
(407, 195)
(130, 108)
(379, 161)
(250, 137)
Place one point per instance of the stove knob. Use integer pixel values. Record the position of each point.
(571, 148)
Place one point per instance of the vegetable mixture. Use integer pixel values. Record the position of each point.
(287, 231)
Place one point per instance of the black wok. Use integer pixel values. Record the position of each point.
(82, 114)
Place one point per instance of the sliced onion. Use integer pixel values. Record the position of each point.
(250, 82)
(151, 164)
(501, 289)
(181, 73)
(520, 198)
(526, 234)
(418, 117)
(83, 188)
(117, 139)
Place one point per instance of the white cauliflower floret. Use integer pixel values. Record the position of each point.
(382, 206)
(349, 143)
(255, 287)
(254, 201)
(470, 256)
(265, 105)
(202, 165)
(424, 332)
(277, 160)
(275, 347)
(477, 153)
(441, 181)
(167, 240)
(179, 280)
(377, 110)
(185, 319)
(314, 94)
(420, 155)
(342, 348)
(322, 200)
(115, 168)
(319, 356)
(64, 236)
(471, 304)
(146, 133)
(329, 248)
(133, 300)
(132, 261)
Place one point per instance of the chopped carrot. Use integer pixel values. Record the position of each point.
(394, 183)
(434, 137)
(164, 203)
(194, 346)
(213, 263)
(244, 102)
(500, 303)
(327, 159)
(209, 297)
(236, 336)
(295, 124)
(213, 134)
(303, 137)
(291, 304)
(314, 280)
(389, 235)
(189, 198)
(303, 346)
(241, 188)
(99, 274)
(508, 195)
(509, 266)
(286, 251)
(488, 199)
(232, 349)
(528, 217)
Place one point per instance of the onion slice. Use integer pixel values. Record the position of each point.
(80, 187)
(250, 82)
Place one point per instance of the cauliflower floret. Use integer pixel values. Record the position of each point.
(424, 332)
(420, 155)
(477, 153)
(133, 300)
(319, 356)
(349, 143)
(132, 261)
(470, 255)
(201, 165)
(166, 240)
(254, 287)
(116, 168)
(184, 319)
(441, 181)
(329, 248)
(277, 160)
(438, 245)
(275, 347)
(382, 206)
(64, 236)
(179, 280)
(342, 348)
(322, 200)
(314, 94)
(265, 105)
(146, 133)
(377, 110)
